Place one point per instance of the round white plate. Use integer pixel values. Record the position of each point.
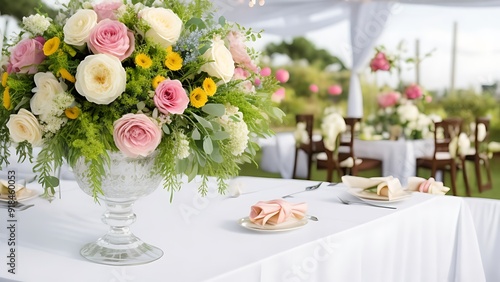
(371, 196)
(285, 226)
(28, 195)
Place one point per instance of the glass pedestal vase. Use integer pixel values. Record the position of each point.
(123, 182)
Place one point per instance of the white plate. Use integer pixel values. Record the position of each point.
(28, 195)
(285, 226)
(371, 196)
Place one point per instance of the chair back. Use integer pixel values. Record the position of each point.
(479, 140)
(346, 144)
(444, 132)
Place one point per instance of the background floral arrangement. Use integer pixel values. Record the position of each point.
(163, 76)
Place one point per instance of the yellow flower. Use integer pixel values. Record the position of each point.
(66, 75)
(173, 61)
(209, 86)
(198, 97)
(143, 61)
(6, 98)
(157, 80)
(169, 49)
(72, 113)
(51, 46)
(5, 75)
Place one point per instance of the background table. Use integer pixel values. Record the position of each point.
(398, 157)
(428, 238)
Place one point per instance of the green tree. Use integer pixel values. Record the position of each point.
(23, 8)
(301, 48)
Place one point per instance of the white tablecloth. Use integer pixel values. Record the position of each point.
(428, 238)
(398, 157)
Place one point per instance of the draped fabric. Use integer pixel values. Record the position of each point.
(297, 17)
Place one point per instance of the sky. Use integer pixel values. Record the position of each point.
(478, 44)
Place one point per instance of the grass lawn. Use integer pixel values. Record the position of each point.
(320, 175)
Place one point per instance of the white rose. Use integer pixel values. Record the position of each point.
(165, 25)
(24, 126)
(47, 87)
(481, 132)
(100, 78)
(220, 63)
(78, 27)
(331, 126)
(408, 112)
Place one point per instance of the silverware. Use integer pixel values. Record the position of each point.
(312, 217)
(347, 202)
(17, 206)
(308, 188)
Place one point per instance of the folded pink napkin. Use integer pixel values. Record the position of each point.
(423, 185)
(276, 212)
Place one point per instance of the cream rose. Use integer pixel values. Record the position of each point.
(24, 126)
(165, 25)
(78, 27)
(100, 78)
(220, 63)
(47, 87)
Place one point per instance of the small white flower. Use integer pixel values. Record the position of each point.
(36, 24)
(165, 25)
(78, 27)
(481, 132)
(300, 134)
(408, 112)
(331, 126)
(24, 126)
(237, 129)
(182, 146)
(463, 144)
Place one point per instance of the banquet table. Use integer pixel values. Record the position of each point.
(427, 238)
(398, 157)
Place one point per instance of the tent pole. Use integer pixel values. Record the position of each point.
(453, 58)
(417, 61)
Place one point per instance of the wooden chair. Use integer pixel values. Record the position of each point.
(311, 148)
(345, 160)
(441, 159)
(479, 157)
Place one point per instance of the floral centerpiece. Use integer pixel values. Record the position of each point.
(134, 77)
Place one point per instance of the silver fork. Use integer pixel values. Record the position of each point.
(347, 202)
(308, 188)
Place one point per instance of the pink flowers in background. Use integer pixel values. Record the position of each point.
(314, 88)
(26, 56)
(279, 95)
(136, 135)
(265, 71)
(113, 38)
(388, 99)
(170, 97)
(380, 62)
(335, 90)
(282, 75)
(413, 92)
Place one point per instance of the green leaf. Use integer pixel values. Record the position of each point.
(204, 49)
(196, 134)
(182, 165)
(196, 22)
(217, 110)
(52, 181)
(141, 105)
(216, 156)
(194, 171)
(208, 147)
(219, 135)
(203, 121)
(222, 21)
(166, 129)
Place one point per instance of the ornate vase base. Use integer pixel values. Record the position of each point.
(132, 252)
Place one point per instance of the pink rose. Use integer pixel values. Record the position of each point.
(279, 95)
(380, 62)
(335, 90)
(282, 75)
(107, 10)
(136, 135)
(26, 56)
(388, 99)
(314, 88)
(238, 50)
(413, 92)
(428, 98)
(257, 81)
(240, 73)
(170, 97)
(265, 71)
(112, 38)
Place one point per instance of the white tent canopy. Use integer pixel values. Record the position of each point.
(367, 21)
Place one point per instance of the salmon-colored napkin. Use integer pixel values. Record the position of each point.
(276, 211)
(388, 186)
(423, 185)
